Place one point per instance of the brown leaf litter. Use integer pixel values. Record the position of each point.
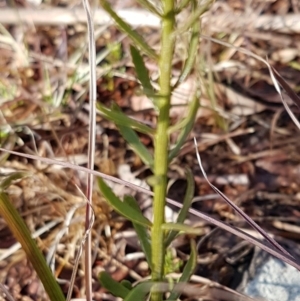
(248, 146)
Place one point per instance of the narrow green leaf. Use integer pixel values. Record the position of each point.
(114, 287)
(141, 71)
(192, 52)
(135, 37)
(120, 118)
(133, 140)
(123, 208)
(127, 284)
(139, 292)
(188, 271)
(189, 120)
(21, 232)
(194, 17)
(189, 194)
(182, 228)
(135, 143)
(10, 178)
(150, 7)
(141, 231)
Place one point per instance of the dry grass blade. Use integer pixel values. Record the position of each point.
(239, 211)
(289, 23)
(91, 155)
(65, 16)
(275, 76)
(210, 290)
(7, 294)
(241, 234)
(287, 88)
(79, 168)
(67, 222)
(291, 114)
(290, 93)
(79, 253)
(201, 215)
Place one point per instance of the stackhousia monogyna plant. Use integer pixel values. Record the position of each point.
(155, 236)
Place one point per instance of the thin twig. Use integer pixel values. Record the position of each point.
(91, 151)
(289, 23)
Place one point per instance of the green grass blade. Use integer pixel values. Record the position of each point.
(133, 35)
(189, 194)
(10, 178)
(113, 286)
(141, 231)
(188, 271)
(142, 72)
(135, 143)
(121, 119)
(21, 232)
(189, 123)
(194, 17)
(150, 7)
(192, 52)
(123, 208)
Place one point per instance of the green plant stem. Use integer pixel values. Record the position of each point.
(161, 144)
